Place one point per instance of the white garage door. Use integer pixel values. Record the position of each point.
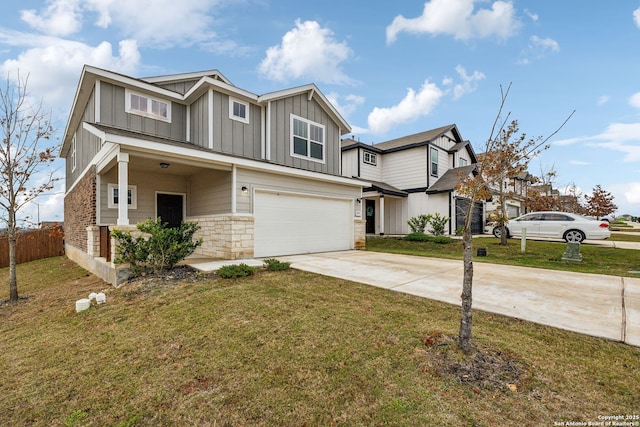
(287, 224)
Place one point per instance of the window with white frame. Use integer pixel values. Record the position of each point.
(238, 110)
(307, 139)
(370, 158)
(434, 161)
(114, 196)
(463, 162)
(143, 105)
(74, 154)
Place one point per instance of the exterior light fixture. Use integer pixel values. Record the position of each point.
(244, 189)
(164, 165)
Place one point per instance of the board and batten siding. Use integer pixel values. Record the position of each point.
(180, 87)
(299, 105)
(367, 171)
(350, 163)
(87, 145)
(210, 193)
(112, 113)
(253, 179)
(406, 169)
(226, 135)
(147, 184)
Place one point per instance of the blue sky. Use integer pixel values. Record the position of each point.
(391, 68)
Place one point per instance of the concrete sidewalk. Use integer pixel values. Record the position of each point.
(598, 305)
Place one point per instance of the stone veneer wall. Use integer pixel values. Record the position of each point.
(225, 236)
(359, 234)
(80, 210)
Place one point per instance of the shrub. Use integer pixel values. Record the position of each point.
(273, 264)
(420, 237)
(418, 223)
(235, 271)
(437, 223)
(159, 248)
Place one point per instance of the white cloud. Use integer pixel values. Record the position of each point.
(636, 16)
(345, 105)
(634, 101)
(579, 163)
(60, 18)
(307, 51)
(161, 23)
(469, 83)
(411, 107)
(602, 100)
(534, 16)
(537, 49)
(54, 64)
(458, 19)
(622, 137)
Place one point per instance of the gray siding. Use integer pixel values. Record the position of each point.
(180, 87)
(87, 145)
(226, 135)
(299, 105)
(112, 113)
(210, 193)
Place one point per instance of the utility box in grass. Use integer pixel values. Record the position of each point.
(572, 253)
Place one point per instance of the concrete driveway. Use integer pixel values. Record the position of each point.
(598, 305)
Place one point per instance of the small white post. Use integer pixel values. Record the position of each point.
(523, 240)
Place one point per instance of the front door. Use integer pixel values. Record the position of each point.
(170, 208)
(370, 216)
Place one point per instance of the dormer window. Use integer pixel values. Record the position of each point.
(238, 110)
(143, 105)
(370, 158)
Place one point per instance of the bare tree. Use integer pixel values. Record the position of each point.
(475, 188)
(24, 163)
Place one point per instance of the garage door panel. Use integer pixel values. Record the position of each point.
(287, 224)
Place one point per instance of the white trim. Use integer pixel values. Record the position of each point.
(74, 153)
(190, 154)
(184, 201)
(309, 123)
(98, 201)
(149, 113)
(188, 124)
(111, 204)
(210, 117)
(263, 131)
(268, 133)
(234, 196)
(246, 105)
(371, 155)
(97, 102)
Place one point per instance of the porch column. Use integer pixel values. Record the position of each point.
(123, 189)
(382, 215)
(234, 190)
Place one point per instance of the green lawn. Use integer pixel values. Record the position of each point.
(539, 254)
(281, 349)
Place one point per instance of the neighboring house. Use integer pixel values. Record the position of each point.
(413, 175)
(259, 173)
(515, 190)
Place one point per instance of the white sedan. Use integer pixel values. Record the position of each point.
(559, 225)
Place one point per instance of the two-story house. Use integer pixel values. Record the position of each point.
(259, 173)
(413, 175)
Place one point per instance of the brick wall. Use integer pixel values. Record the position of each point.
(80, 210)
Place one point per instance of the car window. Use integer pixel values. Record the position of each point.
(557, 217)
(531, 217)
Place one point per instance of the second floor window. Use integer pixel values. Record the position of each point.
(463, 162)
(307, 139)
(434, 162)
(370, 158)
(238, 110)
(144, 105)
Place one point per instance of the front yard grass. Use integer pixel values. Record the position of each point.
(539, 254)
(284, 348)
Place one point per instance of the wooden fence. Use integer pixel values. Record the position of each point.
(33, 245)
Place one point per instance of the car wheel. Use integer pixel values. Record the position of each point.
(574, 236)
(497, 232)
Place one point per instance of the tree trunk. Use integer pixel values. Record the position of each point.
(13, 279)
(466, 320)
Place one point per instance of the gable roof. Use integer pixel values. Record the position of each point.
(451, 179)
(418, 139)
(207, 80)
